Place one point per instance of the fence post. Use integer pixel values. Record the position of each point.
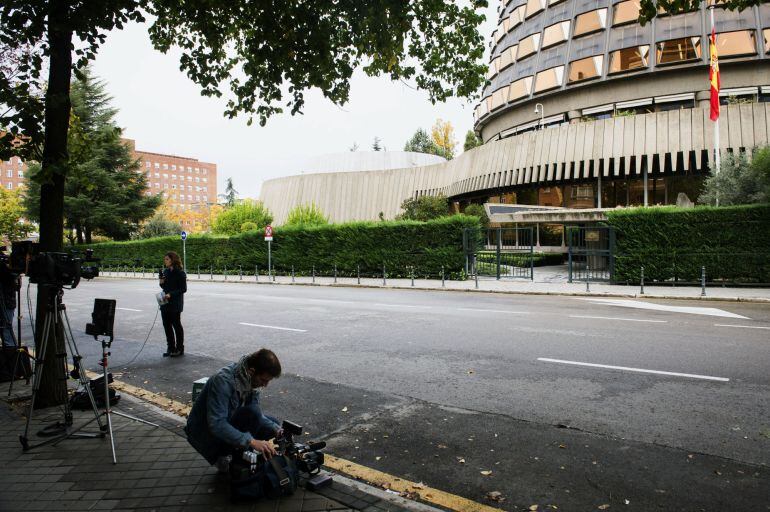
(199, 272)
(225, 272)
(314, 273)
(412, 276)
(273, 274)
(569, 265)
(292, 273)
(443, 284)
(499, 244)
(384, 281)
(335, 273)
(211, 273)
(358, 273)
(134, 273)
(641, 292)
(240, 273)
(588, 280)
(256, 273)
(703, 281)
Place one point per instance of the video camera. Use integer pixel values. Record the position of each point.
(308, 457)
(51, 268)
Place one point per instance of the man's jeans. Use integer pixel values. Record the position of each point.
(6, 332)
(245, 420)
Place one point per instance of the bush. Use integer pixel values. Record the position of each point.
(157, 226)
(229, 222)
(249, 226)
(426, 246)
(424, 208)
(733, 243)
(739, 181)
(478, 210)
(306, 215)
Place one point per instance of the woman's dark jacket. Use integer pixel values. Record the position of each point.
(174, 284)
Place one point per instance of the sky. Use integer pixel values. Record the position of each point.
(163, 111)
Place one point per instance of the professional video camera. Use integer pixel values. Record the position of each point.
(52, 268)
(89, 269)
(308, 457)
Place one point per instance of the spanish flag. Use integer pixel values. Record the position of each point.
(714, 75)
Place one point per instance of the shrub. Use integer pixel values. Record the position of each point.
(739, 181)
(229, 222)
(249, 226)
(424, 208)
(478, 210)
(306, 215)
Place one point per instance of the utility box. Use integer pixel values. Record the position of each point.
(198, 387)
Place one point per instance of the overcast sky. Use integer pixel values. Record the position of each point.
(163, 111)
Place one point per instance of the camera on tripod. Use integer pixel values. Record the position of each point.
(52, 268)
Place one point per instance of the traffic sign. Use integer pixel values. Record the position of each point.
(184, 235)
(268, 233)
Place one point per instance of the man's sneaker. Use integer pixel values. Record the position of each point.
(223, 464)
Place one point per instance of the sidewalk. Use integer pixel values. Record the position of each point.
(548, 281)
(157, 469)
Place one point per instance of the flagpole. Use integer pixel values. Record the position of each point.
(717, 161)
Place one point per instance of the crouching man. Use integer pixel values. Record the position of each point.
(227, 416)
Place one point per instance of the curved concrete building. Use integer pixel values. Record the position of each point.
(584, 108)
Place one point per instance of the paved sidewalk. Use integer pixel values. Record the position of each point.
(547, 282)
(156, 470)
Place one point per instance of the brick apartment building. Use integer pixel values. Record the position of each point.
(185, 183)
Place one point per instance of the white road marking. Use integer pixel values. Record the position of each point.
(625, 303)
(619, 318)
(638, 370)
(272, 327)
(128, 309)
(398, 305)
(495, 311)
(743, 326)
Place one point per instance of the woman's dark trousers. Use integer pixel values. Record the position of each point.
(172, 324)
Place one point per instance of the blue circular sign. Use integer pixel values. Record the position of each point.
(184, 235)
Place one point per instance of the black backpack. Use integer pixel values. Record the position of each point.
(267, 479)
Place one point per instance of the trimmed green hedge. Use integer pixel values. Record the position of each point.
(733, 243)
(400, 245)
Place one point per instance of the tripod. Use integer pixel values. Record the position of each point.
(104, 363)
(15, 338)
(55, 318)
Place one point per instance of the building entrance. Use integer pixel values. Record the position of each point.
(499, 252)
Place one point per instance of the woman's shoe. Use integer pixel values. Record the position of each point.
(168, 354)
(180, 352)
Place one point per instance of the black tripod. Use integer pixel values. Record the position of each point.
(55, 319)
(16, 338)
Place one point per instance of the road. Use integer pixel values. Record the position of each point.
(573, 402)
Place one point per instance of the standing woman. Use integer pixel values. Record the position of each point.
(174, 284)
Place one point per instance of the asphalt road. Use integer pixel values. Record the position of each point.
(440, 386)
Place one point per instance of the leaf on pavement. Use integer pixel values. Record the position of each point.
(604, 507)
(562, 446)
(486, 472)
(377, 458)
(495, 496)
(460, 460)
(441, 446)
(345, 409)
(419, 485)
(533, 507)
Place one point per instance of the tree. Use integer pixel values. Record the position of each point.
(104, 192)
(471, 141)
(442, 134)
(376, 144)
(229, 222)
(259, 50)
(306, 215)
(354, 147)
(190, 218)
(478, 210)
(739, 181)
(159, 225)
(12, 225)
(424, 208)
(231, 195)
(422, 143)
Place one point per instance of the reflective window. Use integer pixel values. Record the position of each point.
(507, 57)
(528, 46)
(589, 22)
(493, 68)
(499, 98)
(629, 58)
(625, 12)
(517, 16)
(555, 34)
(741, 42)
(678, 50)
(534, 7)
(583, 69)
(766, 33)
(520, 88)
(549, 78)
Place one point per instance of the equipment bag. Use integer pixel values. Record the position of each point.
(15, 363)
(269, 479)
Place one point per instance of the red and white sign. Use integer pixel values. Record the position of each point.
(268, 233)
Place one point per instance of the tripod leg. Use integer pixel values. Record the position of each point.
(39, 364)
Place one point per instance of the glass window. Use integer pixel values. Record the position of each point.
(205, 180)
(506, 58)
(157, 175)
(517, 16)
(165, 167)
(555, 34)
(10, 173)
(528, 46)
(9, 186)
(148, 164)
(741, 42)
(520, 88)
(157, 165)
(492, 68)
(628, 59)
(625, 12)
(583, 69)
(173, 167)
(589, 22)
(165, 176)
(534, 7)
(20, 174)
(678, 50)
(499, 97)
(549, 79)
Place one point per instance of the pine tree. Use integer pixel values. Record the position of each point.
(231, 195)
(376, 144)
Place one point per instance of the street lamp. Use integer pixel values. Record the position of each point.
(539, 110)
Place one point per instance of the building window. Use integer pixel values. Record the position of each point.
(534, 7)
(590, 22)
(10, 173)
(499, 97)
(555, 34)
(165, 185)
(738, 43)
(173, 167)
(629, 59)
(189, 197)
(205, 189)
(528, 46)
(554, 2)
(583, 69)
(197, 198)
(678, 50)
(189, 169)
(20, 174)
(625, 12)
(520, 88)
(197, 170)
(205, 198)
(173, 176)
(197, 180)
(157, 185)
(516, 17)
(205, 171)
(205, 180)
(549, 79)
(157, 165)
(766, 33)
(165, 176)
(148, 164)
(173, 186)
(157, 175)
(507, 57)
(165, 167)
(492, 68)
(9, 186)
(189, 178)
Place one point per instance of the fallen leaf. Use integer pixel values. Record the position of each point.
(460, 460)
(419, 485)
(495, 496)
(604, 507)
(627, 502)
(718, 473)
(486, 472)
(377, 458)
(533, 507)
(562, 446)
(441, 446)
(345, 409)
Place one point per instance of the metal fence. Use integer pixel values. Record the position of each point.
(499, 252)
(590, 255)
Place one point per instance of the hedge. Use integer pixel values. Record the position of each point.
(733, 243)
(403, 246)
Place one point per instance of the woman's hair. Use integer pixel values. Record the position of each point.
(176, 262)
(264, 361)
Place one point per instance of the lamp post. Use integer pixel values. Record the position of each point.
(539, 110)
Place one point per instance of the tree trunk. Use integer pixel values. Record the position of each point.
(80, 234)
(53, 388)
(88, 234)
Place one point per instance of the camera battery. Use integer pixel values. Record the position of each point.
(318, 482)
